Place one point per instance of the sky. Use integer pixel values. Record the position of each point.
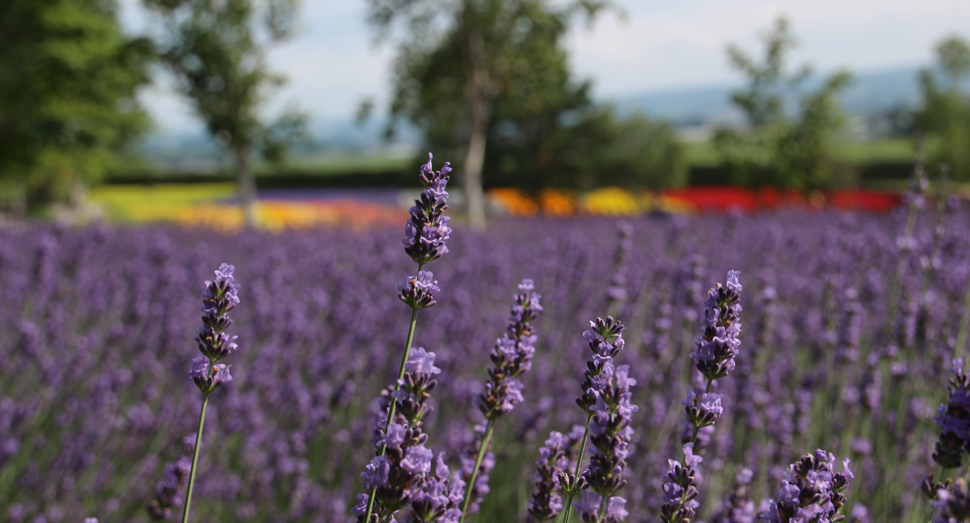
(333, 63)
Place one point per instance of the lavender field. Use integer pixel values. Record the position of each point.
(850, 324)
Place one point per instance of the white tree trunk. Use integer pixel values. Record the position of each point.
(476, 93)
(247, 185)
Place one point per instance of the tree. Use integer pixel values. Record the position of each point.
(217, 51)
(67, 96)
(945, 112)
(777, 148)
(459, 58)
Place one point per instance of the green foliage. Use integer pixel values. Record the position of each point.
(542, 128)
(779, 149)
(217, 51)
(945, 113)
(67, 95)
(596, 149)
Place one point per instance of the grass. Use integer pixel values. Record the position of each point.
(702, 154)
(141, 203)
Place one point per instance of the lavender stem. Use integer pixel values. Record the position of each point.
(393, 408)
(930, 517)
(579, 463)
(697, 428)
(470, 485)
(195, 458)
(964, 323)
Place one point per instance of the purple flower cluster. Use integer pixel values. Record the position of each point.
(715, 349)
(220, 297)
(427, 231)
(738, 506)
(610, 433)
(680, 488)
(511, 355)
(605, 341)
(953, 419)
(952, 504)
(402, 474)
(169, 490)
(418, 291)
(558, 456)
(812, 492)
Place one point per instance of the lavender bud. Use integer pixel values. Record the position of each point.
(427, 231)
(418, 291)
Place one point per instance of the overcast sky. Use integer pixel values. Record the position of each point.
(333, 63)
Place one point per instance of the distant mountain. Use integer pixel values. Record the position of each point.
(691, 107)
(869, 92)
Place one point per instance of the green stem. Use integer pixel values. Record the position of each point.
(964, 323)
(195, 458)
(898, 280)
(579, 464)
(697, 428)
(602, 511)
(393, 409)
(940, 479)
(486, 439)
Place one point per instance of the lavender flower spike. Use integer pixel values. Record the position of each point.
(402, 474)
(425, 237)
(427, 231)
(556, 457)
(418, 291)
(605, 393)
(714, 351)
(610, 433)
(811, 491)
(680, 489)
(220, 297)
(511, 357)
(168, 491)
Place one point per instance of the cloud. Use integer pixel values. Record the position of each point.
(333, 63)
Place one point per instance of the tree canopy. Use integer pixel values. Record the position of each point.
(945, 111)
(67, 95)
(496, 72)
(217, 51)
(782, 146)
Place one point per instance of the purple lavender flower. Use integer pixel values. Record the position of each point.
(512, 355)
(738, 506)
(168, 491)
(427, 231)
(220, 297)
(605, 340)
(680, 488)
(610, 433)
(704, 409)
(953, 418)
(206, 381)
(811, 492)
(403, 468)
(418, 291)
(557, 457)
(715, 349)
(952, 504)
(438, 497)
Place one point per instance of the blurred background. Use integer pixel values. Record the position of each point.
(289, 114)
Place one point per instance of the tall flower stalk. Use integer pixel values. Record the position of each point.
(953, 419)
(220, 297)
(605, 341)
(425, 236)
(714, 351)
(511, 357)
